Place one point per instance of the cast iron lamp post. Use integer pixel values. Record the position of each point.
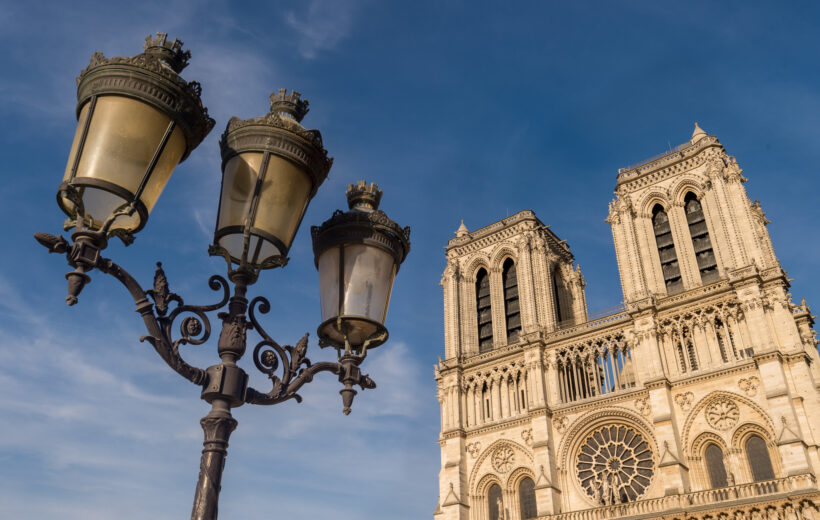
(137, 119)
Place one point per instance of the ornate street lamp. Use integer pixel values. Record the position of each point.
(358, 254)
(137, 118)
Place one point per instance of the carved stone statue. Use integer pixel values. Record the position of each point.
(606, 489)
(789, 513)
(500, 505)
(808, 511)
(772, 514)
(730, 479)
(757, 515)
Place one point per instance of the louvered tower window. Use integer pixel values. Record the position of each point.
(485, 317)
(494, 503)
(666, 250)
(704, 254)
(511, 306)
(526, 496)
(715, 467)
(758, 455)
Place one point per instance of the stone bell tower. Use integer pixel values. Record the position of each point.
(697, 399)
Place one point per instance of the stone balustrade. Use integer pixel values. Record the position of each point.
(713, 502)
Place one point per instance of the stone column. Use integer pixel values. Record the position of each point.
(497, 309)
(790, 440)
(453, 492)
(452, 308)
(495, 402)
(526, 287)
(683, 245)
(673, 471)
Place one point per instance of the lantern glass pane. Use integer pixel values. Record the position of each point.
(238, 184)
(283, 200)
(368, 280)
(122, 139)
(329, 283)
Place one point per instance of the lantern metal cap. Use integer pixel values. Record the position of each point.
(362, 197)
(357, 226)
(279, 133)
(153, 78)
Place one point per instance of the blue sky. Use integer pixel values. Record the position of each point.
(470, 110)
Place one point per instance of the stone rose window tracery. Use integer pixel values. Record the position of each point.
(615, 465)
(722, 414)
(503, 458)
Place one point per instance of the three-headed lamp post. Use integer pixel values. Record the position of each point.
(137, 119)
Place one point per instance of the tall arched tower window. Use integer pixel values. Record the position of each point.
(494, 503)
(511, 307)
(704, 254)
(715, 467)
(484, 314)
(526, 497)
(666, 250)
(759, 461)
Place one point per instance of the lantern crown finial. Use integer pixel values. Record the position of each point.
(291, 104)
(362, 197)
(169, 52)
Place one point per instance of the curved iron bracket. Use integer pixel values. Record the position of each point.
(195, 329)
(296, 368)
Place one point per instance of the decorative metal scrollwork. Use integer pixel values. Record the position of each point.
(194, 329)
(268, 356)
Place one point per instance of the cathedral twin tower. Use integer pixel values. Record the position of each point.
(698, 399)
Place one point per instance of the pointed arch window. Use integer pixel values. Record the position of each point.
(758, 455)
(526, 497)
(704, 254)
(666, 250)
(715, 466)
(511, 306)
(494, 503)
(484, 313)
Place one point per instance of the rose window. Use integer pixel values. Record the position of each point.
(722, 414)
(503, 459)
(615, 465)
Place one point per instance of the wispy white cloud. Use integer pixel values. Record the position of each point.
(322, 25)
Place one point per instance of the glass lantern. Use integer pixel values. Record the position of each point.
(357, 254)
(271, 169)
(136, 120)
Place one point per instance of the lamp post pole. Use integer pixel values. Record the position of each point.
(272, 167)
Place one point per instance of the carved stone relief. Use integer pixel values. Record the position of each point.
(561, 424)
(643, 406)
(526, 436)
(685, 400)
(749, 385)
(473, 448)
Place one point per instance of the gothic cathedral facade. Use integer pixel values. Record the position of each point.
(698, 399)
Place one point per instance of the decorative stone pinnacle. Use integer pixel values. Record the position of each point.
(462, 230)
(291, 104)
(169, 52)
(362, 197)
(698, 133)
